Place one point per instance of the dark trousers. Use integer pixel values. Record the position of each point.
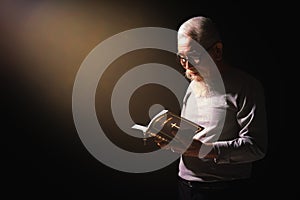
(232, 190)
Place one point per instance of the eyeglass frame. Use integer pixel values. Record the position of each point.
(181, 57)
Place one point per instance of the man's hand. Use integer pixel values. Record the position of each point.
(192, 150)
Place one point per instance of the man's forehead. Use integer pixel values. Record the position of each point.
(187, 44)
(184, 41)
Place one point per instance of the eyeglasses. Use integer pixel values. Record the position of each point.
(193, 58)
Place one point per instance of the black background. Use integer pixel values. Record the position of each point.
(43, 155)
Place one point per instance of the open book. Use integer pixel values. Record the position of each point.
(167, 126)
(145, 128)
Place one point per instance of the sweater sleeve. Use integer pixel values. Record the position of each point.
(251, 143)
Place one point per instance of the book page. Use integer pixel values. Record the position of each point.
(145, 128)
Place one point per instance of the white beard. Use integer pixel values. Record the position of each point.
(200, 88)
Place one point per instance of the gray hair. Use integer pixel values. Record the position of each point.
(201, 29)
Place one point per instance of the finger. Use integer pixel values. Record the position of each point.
(176, 150)
(163, 146)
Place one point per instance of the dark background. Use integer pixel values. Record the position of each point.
(42, 46)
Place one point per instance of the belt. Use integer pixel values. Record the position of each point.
(213, 185)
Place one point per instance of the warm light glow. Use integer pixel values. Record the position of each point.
(49, 40)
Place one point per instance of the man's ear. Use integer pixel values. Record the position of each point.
(218, 51)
